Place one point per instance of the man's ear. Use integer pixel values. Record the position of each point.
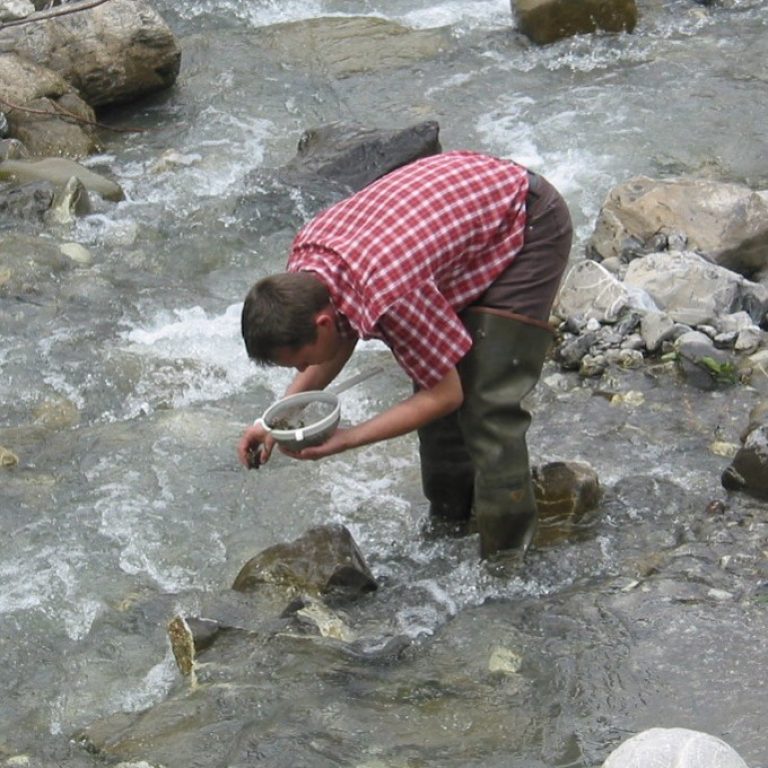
(325, 318)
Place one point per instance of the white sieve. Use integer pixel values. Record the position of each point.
(308, 418)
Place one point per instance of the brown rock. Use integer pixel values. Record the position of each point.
(546, 21)
(324, 559)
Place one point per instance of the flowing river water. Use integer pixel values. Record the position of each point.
(124, 388)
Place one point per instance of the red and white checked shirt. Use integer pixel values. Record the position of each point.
(404, 255)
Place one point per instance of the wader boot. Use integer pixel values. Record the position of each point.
(447, 474)
(502, 367)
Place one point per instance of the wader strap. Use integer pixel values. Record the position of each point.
(513, 316)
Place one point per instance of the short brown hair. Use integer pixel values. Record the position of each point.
(279, 312)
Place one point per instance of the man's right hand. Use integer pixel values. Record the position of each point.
(255, 447)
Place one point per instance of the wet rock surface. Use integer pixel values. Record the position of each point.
(332, 161)
(324, 560)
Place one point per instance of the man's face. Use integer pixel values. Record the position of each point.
(321, 350)
(301, 358)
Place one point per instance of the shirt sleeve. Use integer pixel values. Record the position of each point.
(425, 335)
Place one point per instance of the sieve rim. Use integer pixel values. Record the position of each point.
(303, 399)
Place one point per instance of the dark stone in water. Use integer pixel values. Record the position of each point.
(353, 156)
(325, 559)
(332, 162)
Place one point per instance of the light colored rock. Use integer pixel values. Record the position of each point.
(735, 322)
(726, 222)
(749, 339)
(11, 10)
(656, 327)
(505, 660)
(69, 202)
(78, 253)
(39, 95)
(694, 291)
(110, 53)
(591, 291)
(674, 748)
(8, 458)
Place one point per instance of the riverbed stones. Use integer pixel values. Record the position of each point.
(727, 223)
(658, 327)
(674, 748)
(325, 559)
(546, 21)
(278, 602)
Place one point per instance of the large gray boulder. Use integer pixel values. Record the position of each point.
(674, 748)
(546, 21)
(727, 223)
(12, 10)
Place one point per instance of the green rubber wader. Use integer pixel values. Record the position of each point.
(447, 473)
(501, 368)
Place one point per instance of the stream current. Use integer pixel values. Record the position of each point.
(125, 386)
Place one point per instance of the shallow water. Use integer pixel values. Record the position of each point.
(125, 387)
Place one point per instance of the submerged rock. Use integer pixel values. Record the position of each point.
(566, 492)
(279, 590)
(8, 458)
(343, 46)
(59, 171)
